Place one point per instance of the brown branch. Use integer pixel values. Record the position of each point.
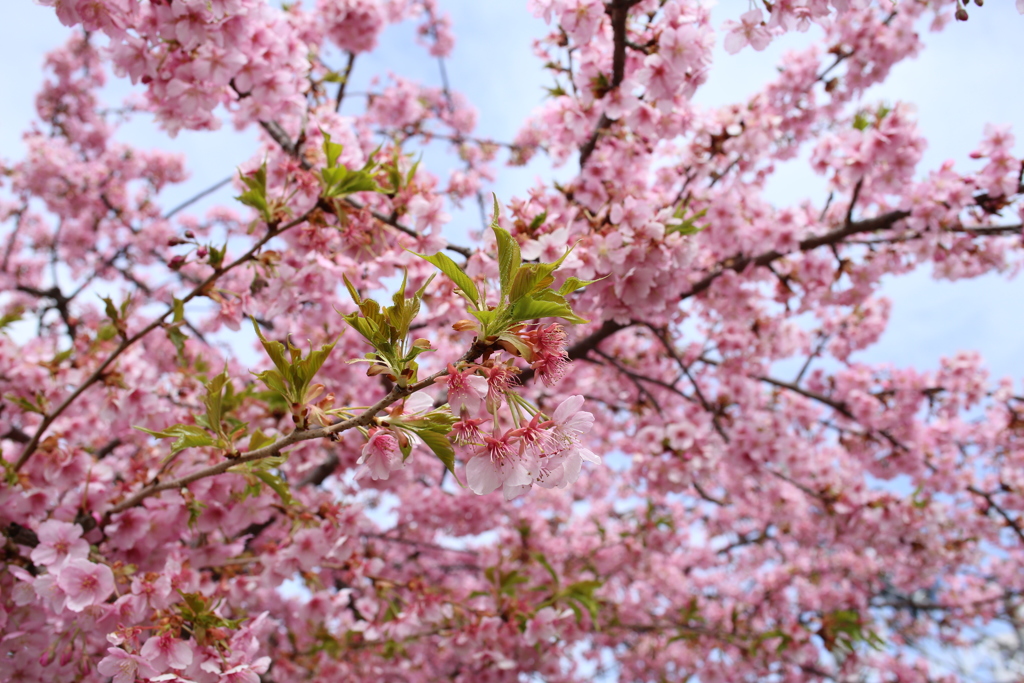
(739, 263)
(196, 197)
(362, 420)
(992, 505)
(806, 393)
(388, 220)
(344, 81)
(97, 374)
(618, 11)
(21, 535)
(642, 392)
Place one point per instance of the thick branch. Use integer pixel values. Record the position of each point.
(618, 11)
(739, 263)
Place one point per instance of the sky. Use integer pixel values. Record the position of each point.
(958, 83)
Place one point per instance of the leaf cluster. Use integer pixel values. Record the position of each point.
(525, 289)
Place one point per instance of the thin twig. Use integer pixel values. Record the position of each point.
(195, 198)
(344, 81)
(126, 343)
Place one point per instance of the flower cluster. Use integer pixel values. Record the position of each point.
(774, 506)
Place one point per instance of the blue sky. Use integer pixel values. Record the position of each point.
(959, 83)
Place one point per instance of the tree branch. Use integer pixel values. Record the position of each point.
(126, 343)
(739, 263)
(362, 420)
(618, 11)
(195, 198)
(344, 81)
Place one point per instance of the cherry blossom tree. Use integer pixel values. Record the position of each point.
(593, 467)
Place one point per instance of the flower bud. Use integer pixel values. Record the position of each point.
(189, 234)
(201, 252)
(464, 326)
(961, 14)
(176, 262)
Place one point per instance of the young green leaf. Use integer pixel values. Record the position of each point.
(452, 270)
(441, 447)
(186, 436)
(529, 308)
(571, 284)
(509, 256)
(256, 195)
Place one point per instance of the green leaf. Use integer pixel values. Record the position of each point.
(185, 436)
(573, 283)
(109, 308)
(277, 484)
(195, 509)
(339, 181)
(582, 593)
(529, 308)
(528, 280)
(258, 440)
(547, 565)
(441, 447)
(525, 350)
(304, 370)
(538, 220)
(174, 332)
(276, 350)
(484, 316)
(214, 400)
(8, 319)
(106, 332)
(26, 405)
(452, 270)
(331, 149)
(687, 226)
(509, 256)
(370, 330)
(275, 382)
(403, 312)
(352, 291)
(256, 195)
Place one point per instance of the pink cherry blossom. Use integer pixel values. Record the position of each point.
(466, 390)
(548, 247)
(165, 651)
(85, 583)
(497, 464)
(749, 31)
(124, 667)
(380, 455)
(777, 500)
(59, 542)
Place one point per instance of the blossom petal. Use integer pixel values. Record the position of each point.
(482, 476)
